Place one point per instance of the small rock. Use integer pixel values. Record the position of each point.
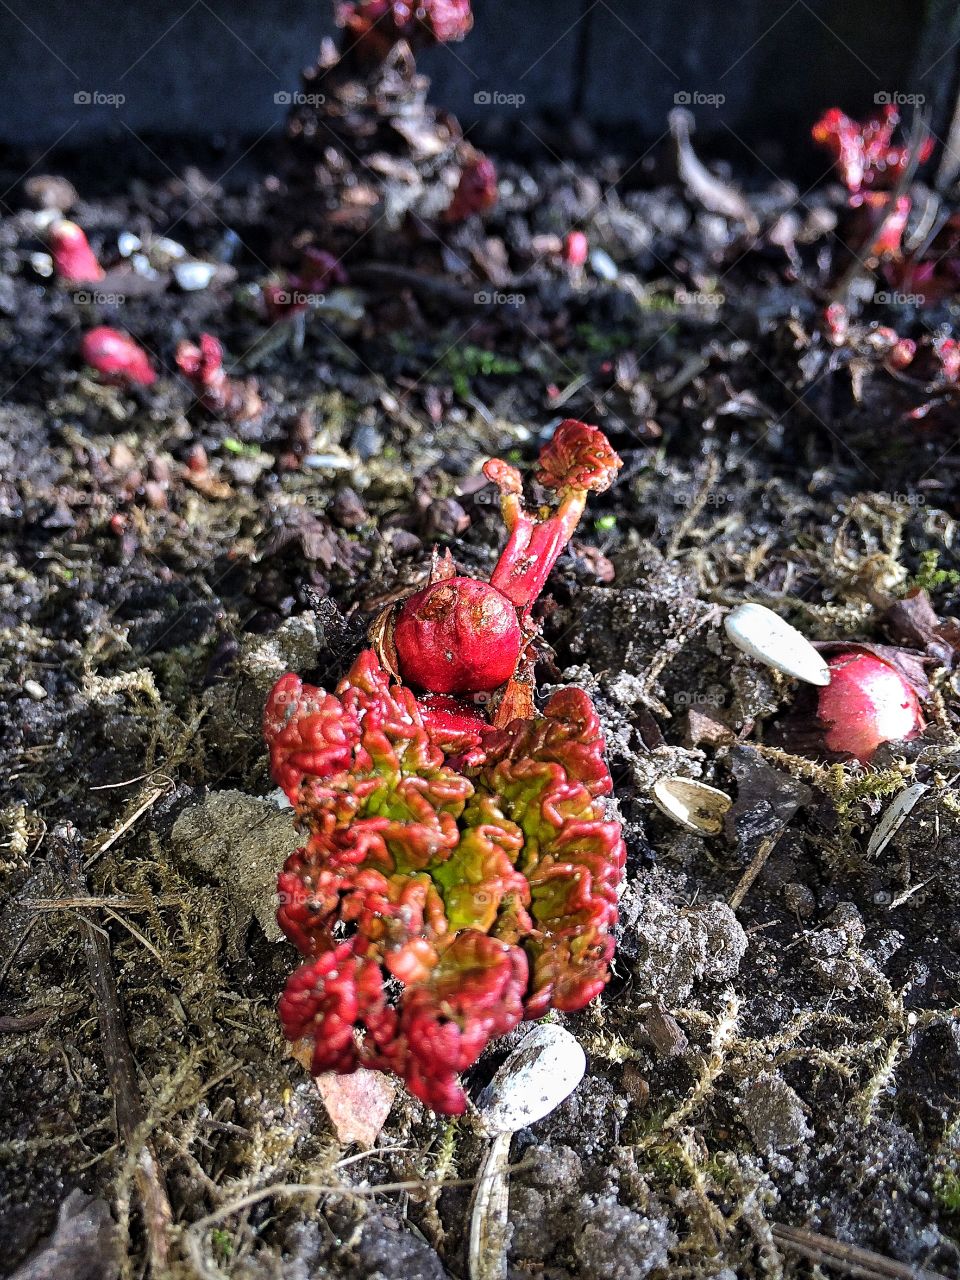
(773, 1113)
(50, 191)
(357, 1104)
(193, 276)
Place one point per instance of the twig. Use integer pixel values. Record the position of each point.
(118, 1056)
(148, 802)
(9, 1024)
(849, 1258)
(757, 862)
(111, 904)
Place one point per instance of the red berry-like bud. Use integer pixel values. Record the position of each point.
(457, 636)
(117, 358)
(576, 247)
(73, 258)
(866, 702)
(476, 192)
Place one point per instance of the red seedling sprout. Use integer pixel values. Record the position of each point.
(476, 191)
(864, 153)
(117, 358)
(73, 259)
(202, 366)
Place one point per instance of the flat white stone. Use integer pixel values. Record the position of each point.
(759, 632)
(191, 276)
(545, 1068)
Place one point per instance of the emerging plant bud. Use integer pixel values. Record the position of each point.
(73, 259)
(477, 190)
(117, 358)
(576, 248)
(458, 635)
(202, 366)
(373, 27)
(867, 702)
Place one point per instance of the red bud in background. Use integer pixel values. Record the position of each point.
(117, 358)
(867, 702)
(576, 248)
(476, 191)
(73, 259)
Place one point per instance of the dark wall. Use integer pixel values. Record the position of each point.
(219, 65)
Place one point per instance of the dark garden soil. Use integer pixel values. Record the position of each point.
(764, 1079)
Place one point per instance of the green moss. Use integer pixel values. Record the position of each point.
(929, 577)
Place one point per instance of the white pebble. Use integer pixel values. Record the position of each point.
(545, 1068)
(191, 276)
(762, 634)
(128, 244)
(603, 265)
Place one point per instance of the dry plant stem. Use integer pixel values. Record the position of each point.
(848, 1258)
(757, 862)
(692, 515)
(487, 1258)
(118, 1056)
(149, 800)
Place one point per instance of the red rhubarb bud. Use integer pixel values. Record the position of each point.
(866, 702)
(576, 248)
(476, 191)
(457, 636)
(117, 358)
(73, 259)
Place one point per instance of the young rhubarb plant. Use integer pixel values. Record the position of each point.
(458, 874)
(373, 27)
(202, 366)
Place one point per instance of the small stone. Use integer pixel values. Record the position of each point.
(193, 276)
(33, 689)
(759, 632)
(128, 244)
(50, 191)
(603, 265)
